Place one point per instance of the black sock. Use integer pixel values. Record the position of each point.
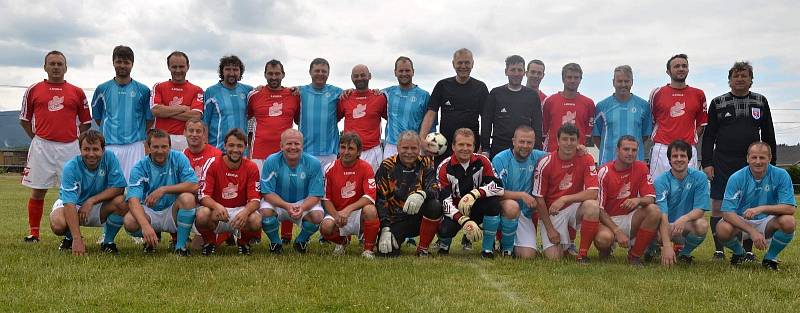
(748, 245)
(718, 246)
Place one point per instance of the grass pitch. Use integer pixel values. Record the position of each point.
(39, 278)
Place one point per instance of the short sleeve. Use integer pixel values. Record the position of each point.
(70, 184)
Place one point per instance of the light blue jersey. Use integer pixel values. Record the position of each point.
(744, 192)
(318, 120)
(225, 109)
(614, 119)
(406, 108)
(677, 197)
(123, 110)
(79, 182)
(147, 176)
(292, 184)
(516, 175)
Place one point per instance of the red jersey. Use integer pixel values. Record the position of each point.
(169, 93)
(558, 110)
(674, 110)
(274, 111)
(555, 178)
(198, 160)
(618, 186)
(345, 185)
(542, 96)
(362, 112)
(231, 188)
(47, 106)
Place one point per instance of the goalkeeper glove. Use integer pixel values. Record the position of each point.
(466, 202)
(387, 243)
(414, 202)
(471, 230)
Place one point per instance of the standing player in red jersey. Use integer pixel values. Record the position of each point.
(350, 198)
(176, 101)
(46, 106)
(535, 74)
(627, 199)
(568, 106)
(565, 188)
(274, 109)
(229, 193)
(362, 111)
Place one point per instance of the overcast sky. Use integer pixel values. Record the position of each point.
(599, 35)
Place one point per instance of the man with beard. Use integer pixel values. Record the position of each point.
(406, 105)
(568, 106)
(226, 102)
(319, 104)
(362, 111)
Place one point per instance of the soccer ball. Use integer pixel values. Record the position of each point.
(437, 144)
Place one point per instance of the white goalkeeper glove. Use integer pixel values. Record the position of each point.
(466, 202)
(387, 243)
(471, 230)
(414, 202)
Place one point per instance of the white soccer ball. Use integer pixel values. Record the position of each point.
(437, 144)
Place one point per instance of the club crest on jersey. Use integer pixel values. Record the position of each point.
(176, 101)
(625, 191)
(132, 93)
(360, 110)
(276, 109)
(568, 117)
(565, 183)
(678, 109)
(101, 172)
(349, 190)
(230, 191)
(302, 175)
(756, 112)
(55, 104)
(413, 99)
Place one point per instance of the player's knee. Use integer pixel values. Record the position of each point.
(186, 201)
(604, 239)
(786, 223)
(315, 217)
(700, 226)
(553, 253)
(120, 206)
(265, 212)
(369, 212)
(509, 208)
(57, 223)
(38, 194)
(725, 231)
(254, 222)
(202, 216)
(653, 211)
(130, 223)
(524, 253)
(431, 210)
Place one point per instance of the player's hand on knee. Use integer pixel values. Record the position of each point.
(414, 202)
(554, 236)
(238, 221)
(149, 236)
(751, 213)
(677, 228)
(471, 229)
(759, 241)
(83, 214)
(621, 238)
(709, 170)
(467, 201)
(556, 206)
(387, 243)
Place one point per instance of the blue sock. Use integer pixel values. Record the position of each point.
(691, 242)
(490, 225)
(137, 233)
(508, 227)
(735, 245)
(185, 221)
(270, 226)
(113, 224)
(306, 230)
(68, 235)
(779, 241)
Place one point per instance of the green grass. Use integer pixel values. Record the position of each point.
(35, 278)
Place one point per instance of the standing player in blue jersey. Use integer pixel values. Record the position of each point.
(161, 195)
(226, 102)
(406, 107)
(759, 203)
(121, 107)
(515, 168)
(90, 195)
(292, 185)
(622, 113)
(318, 106)
(682, 195)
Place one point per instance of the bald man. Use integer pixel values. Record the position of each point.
(362, 111)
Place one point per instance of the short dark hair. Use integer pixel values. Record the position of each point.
(157, 133)
(626, 138)
(122, 52)
(178, 53)
(92, 136)
(350, 137)
(741, 66)
(403, 58)
(571, 67)
(514, 59)
(56, 52)
(274, 62)
(680, 145)
(677, 56)
(230, 60)
(238, 134)
(568, 129)
(316, 61)
(196, 120)
(535, 61)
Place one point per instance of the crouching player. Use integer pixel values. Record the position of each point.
(350, 198)
(682, 194)
(90, 195)
(629, 216)
(408, 197)
(229, 193)
(759, 203)
(471, 194)
(515, 168)
(292, 184)
(565, 188)
(161, 194)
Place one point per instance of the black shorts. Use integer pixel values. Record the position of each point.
(724, 166)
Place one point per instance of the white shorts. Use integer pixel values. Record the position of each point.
(283, 215)
(178, 142)
(259, 163)
(659, 163)
(566, 218)
(161, 221)
(526, 234)
(46, 161)
(94, 214)
(624, 222)
(373, 156)
(324, 160)
(128, 155)
(225, 227)
(353, 226)
(389, 150)
(759, 225)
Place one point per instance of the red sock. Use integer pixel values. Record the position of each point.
(588, 231)
(208, 235)
(222, 238)
(643, 239)
(427, 229)
(246, 236)
(35, 209)
(677, 247)
(286, 229)
(371, 233)
(174, 236)
(335, 237)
